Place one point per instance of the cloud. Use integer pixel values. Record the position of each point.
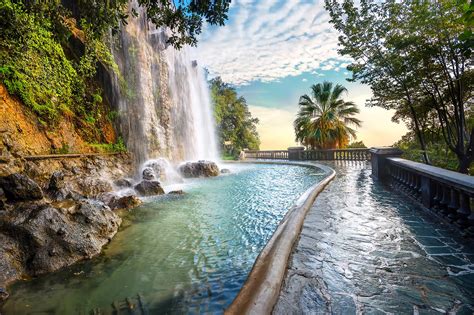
(304, 80)
(267, 40)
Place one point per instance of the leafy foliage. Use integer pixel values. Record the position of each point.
(183, 18)
(34, 64)
(416, 56)
(117, 147)
(439, 153)
(237, 129)
(50, 51)
(324, 118)
(357, 145)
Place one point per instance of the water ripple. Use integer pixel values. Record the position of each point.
(183, 255)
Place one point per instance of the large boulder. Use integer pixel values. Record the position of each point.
(56, 181)
(199, 169)
(37, 238)
(92, 187)
(125, 202)
(148, 173)
(149, 188)
(57, 187)
(19, 187)
(116, 202)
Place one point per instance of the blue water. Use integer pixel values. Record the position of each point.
(184, 254)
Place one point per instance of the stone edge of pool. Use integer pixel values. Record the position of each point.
(260, 291)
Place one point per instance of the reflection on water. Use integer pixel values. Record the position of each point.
(186, 254)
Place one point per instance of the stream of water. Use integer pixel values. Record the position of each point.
(182, 254)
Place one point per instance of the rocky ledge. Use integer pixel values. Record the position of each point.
(40, 237)
(55, 213)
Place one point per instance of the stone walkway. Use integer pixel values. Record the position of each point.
(367, 250)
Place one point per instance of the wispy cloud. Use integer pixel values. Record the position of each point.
(267, 40)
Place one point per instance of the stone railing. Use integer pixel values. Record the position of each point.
(300, 154)
(337, 155)
(267, 155)
(448, 193)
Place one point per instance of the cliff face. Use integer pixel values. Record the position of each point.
(50, 213)
(21, 134)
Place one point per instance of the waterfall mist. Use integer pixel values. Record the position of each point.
(162, 96)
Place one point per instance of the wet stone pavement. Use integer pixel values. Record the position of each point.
(365, 249)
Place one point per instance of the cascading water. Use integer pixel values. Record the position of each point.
(162, 96)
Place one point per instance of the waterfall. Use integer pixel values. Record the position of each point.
(161, 95)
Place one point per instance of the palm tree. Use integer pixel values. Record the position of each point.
(324, 119)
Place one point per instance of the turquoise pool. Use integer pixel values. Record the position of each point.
(180, 254)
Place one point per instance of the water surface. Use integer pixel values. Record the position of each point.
(185, 254)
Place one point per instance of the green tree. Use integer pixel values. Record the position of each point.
(357, 145)
(183, 18)
(324, 119)
(50, 50)
(237, 129)
(416, 56)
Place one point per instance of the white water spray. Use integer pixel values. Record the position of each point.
(163, 97)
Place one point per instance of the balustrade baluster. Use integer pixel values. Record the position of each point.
(404, 180)
(438, 195)
(445, 199)
(417, 188)
(464, 211)
(407, 181)
(398, 177)
(412, 181)
(453, 204)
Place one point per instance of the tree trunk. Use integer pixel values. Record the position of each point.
(464, 163)
(419, 134)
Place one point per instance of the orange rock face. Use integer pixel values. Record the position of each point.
(22, 134)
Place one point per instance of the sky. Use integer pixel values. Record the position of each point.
(272, 52)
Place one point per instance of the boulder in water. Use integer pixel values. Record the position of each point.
(125, 202)
(149, 188)
(199, 169)
(19, 187)
(148, 173)
(225, 171)
(162, 169)
(176, 192)
(36, 238)
(116, 202)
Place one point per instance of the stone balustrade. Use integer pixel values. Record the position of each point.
(300, 154)
(448, 193)
(267, 155)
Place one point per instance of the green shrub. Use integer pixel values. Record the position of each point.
(35, 67)
(117, 147)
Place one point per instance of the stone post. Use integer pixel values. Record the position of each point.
(295, 153)
(380, 165)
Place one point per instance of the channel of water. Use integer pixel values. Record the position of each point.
(177, 254)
